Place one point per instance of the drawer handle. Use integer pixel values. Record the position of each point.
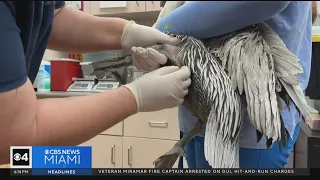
(130, 155)
(137, 3)
(113, 157)
(158, 124)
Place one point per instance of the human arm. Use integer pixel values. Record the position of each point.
(71, 121)
(205, 19)
(79, 32)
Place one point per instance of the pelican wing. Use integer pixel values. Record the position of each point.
(287, 68)
(246, 57)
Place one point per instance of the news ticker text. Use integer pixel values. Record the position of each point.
(152, 171)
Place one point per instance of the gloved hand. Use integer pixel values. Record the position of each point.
(142, 36)
(160, 89)
(150, 58)
(147, 58)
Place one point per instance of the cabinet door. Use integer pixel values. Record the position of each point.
(106, 151)
(141, 152)
(153, 6)
(116, 7)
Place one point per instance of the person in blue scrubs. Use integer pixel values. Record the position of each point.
(292, 21)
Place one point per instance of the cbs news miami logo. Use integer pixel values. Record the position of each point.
(49, 157)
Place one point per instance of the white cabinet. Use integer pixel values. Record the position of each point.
(130, 10)
(106, 151)
(98, 8)
(136, 142)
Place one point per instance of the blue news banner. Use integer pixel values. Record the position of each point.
(77, 160)
(51, 160)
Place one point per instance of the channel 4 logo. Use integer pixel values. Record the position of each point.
(20, 157)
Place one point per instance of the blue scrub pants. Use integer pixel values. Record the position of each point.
(249, 158)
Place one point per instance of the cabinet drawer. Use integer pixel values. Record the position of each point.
(141, 152)
(131, 7)
(106, 151)
(160, 124)
(116, 130)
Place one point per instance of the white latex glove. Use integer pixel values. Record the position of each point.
(147, 58)
(142, 36)
(160, 89)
